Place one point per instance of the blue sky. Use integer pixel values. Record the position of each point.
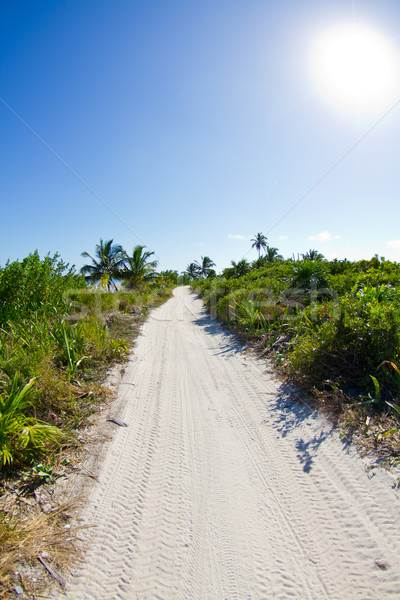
(189, 127)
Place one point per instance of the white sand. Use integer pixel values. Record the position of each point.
(222, 487)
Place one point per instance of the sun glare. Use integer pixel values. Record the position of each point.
(357, 69)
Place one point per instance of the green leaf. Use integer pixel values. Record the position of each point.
(396, 407)
(377, 389)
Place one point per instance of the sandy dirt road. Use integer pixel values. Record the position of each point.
(223, 487)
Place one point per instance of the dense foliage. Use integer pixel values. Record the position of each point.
(35, 286)
(55, 335)
(329, 323)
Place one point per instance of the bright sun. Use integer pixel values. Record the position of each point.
(357, 69)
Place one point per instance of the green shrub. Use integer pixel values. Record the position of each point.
(340, 319)
(35, 286)
(308, 277)
(351, 347)
(91, 302)
(21, 437)
(56, 334)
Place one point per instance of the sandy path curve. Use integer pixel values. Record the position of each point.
(223, 488)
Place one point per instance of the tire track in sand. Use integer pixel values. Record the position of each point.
(223, 488)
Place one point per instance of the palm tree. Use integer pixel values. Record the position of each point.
(107, 264)
(138, 267)
(272, 255)
(193, 271)
(260, 242)
(312, 255)
(205, 267)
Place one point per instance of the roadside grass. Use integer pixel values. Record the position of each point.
(54, 355)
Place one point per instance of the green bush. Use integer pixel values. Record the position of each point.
(22, 438)
(340, 319)
(56, 335)
(35, 286)
(351, 347)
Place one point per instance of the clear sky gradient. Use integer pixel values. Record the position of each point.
(189, 127)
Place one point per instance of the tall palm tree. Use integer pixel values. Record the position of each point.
(205, 267)
(107, 264)
(260, 242)
(138, 268)
(272, 254)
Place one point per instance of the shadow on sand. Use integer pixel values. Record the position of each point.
(213, 327)
(291, 413)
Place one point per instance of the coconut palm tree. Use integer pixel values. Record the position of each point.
(138, 268)
(205, 267)
(272, 254)
(313, 255)
(260, 242)
(192, 270)
(107, 264)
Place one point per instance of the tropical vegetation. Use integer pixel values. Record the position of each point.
(333, 327)
(201, 269)
(56, 333)
(113, 264)
(107, 265)
(259, 243)
(58, 338)
(329, 325)
(138, 268)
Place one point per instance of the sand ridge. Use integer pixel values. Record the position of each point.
(224, 487)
